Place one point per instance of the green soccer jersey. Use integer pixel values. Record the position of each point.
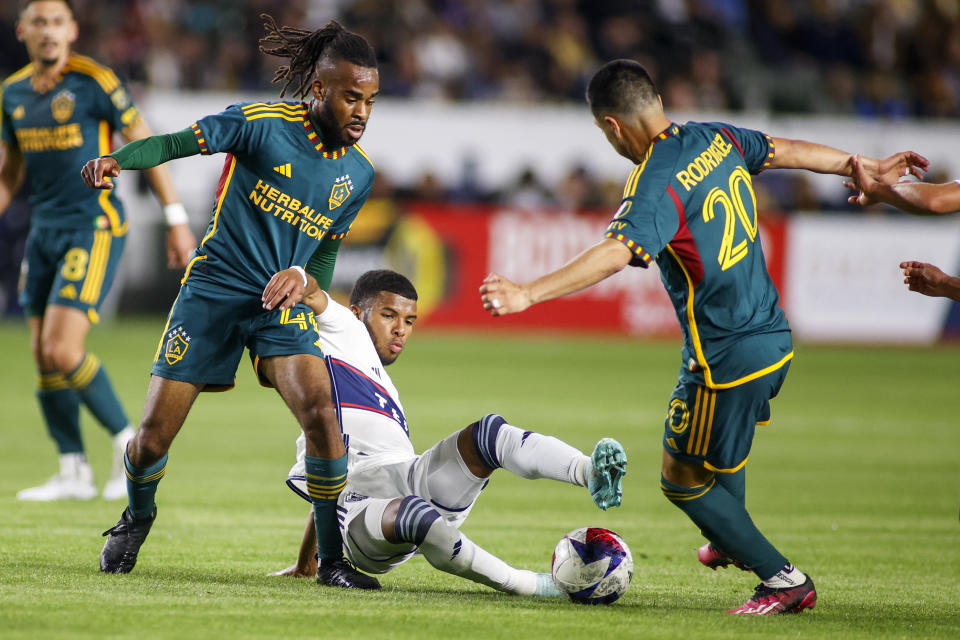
(57, 131)
(690, 205)
(280, 194)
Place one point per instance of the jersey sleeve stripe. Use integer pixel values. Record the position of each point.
(201, 139)
(771, 152)
(630, 244)
(635, 176)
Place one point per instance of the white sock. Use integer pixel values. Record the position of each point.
(446, 549)
(789, 576)
(533, 455)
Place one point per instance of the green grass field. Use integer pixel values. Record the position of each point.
(857, 481)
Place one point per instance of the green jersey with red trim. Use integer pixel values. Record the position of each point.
(57, 131)
(280, 194)
(690, 205)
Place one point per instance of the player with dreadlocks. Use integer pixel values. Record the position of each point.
(292, 184)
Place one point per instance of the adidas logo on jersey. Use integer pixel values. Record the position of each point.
(284, 170)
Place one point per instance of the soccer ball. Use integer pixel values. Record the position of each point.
(592, 565)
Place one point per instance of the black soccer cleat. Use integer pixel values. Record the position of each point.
(119, 553)
(340, 573)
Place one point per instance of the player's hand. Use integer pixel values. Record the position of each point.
(296, 571)
(863, 182)
(97, 172)
(180, 245)
(501, 296)
(924, 278)
(906, 163)
(284, 290)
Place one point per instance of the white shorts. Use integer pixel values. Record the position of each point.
(439, 475)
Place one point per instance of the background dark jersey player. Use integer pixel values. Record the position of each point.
(689, 205)
(292, 184)
(56, 112)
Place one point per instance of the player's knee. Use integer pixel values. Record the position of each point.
(414, 518)
(58, 354)
(484, 435)
(149, 444)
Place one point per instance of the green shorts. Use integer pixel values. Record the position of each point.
(714, 427)
(68, 267)
(208, 329)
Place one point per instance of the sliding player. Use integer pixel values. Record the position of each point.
(397, 503)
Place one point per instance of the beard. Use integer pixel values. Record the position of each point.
(330, 130)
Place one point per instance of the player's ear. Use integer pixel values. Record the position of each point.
(614, 125)
(18, 29)
(317, 90)
(74, 31)
(357, 311)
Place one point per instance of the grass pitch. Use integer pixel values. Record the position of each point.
(856, 481)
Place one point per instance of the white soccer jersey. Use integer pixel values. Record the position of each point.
(368, 404)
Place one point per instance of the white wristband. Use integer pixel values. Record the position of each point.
(175, 214)
(303, 274)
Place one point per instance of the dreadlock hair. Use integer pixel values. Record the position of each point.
(305, 49)
(373, 282)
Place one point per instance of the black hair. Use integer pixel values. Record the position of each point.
(620, 87)
(373, 282)
(305, 49)
(26, 3)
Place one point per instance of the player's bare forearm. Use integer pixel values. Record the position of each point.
(800, 154)
(930, 280)
(12, 172)
(306, 566)
(315, 297)
(819, 158)
(500, 296)
(921, 198)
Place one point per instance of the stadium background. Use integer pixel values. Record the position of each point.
(488, 159)
(481, 137)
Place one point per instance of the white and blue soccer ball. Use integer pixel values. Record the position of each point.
(592, 565)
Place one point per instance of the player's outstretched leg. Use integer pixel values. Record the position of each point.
(532, 455)
(447, 549)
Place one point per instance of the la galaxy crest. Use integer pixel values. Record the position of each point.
(62, 105)
(176, 345)
(341, 190)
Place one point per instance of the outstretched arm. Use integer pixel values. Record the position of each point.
(12, 172)
(306, 566)
(180, 239)
(800, 154)
(930, 281)
(500, 296)
(921, 198)
(144, 153)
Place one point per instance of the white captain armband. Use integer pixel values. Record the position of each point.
(303, 274)
(175, 214)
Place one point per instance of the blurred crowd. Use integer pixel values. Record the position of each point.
(866, 58)
(891, 58)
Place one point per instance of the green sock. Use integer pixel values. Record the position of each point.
(90, 380)
(325, 480)
(142, 485)
(725, 522)
(60, 406)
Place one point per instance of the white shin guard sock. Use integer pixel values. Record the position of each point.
(533, 455)
(446, 549)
